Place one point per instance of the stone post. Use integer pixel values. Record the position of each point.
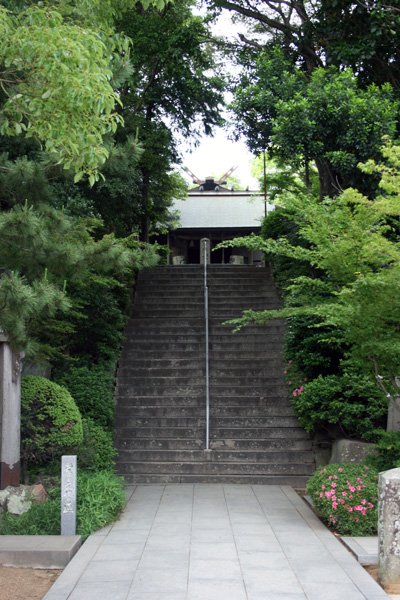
(68, 495)
(10, 413)
(389, 527)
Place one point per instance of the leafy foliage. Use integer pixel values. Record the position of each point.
(51, 423)
(100, 499)
(96, 452)
(91, 388)
(56, 78)
(386, 453)
(347, 404)
(49, 248)
(346, 497)
(325, 118)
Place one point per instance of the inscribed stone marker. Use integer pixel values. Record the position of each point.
(68, 495)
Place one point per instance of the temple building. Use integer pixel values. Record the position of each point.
(217, 213)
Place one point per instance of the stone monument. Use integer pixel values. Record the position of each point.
(10, 413)
(389, 527)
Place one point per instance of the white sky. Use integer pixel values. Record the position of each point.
(216, 155)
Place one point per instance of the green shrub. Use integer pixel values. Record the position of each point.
(387, 451)
(51, 423)
(97, 451)
(346, 405)
(100, 499)
(346, 497)
(91, 388)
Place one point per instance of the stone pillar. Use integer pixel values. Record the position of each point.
(393, 418)
(10, 413)
(389, 527)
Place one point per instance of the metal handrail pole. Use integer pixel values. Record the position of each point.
(207, 350)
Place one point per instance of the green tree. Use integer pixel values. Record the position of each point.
(174, 89)
(356, 287)
(325, 119)
(41, 250)
(56, 77)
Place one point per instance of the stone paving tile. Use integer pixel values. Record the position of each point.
(202, 568)
(266, 561)
(257, 580)
(134, 595)
(164, 559)
(106, 571)
(121, 538)
(215, 551)
(215, 542)
(212, 536)
(156, 580)
(277, 595)
(116, 552)
(101, 591)
(203, 589)
(330, 590)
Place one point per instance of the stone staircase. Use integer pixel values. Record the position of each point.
(160, 393)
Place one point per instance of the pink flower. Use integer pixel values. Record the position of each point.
(335, 477)
(350, 509)
(344, 493)
(351, 497)
(351, 488)
(321, 495)
(301, 381)
(359, 487)
(322, 487)
(340, 470)
(290, 383)
(334, 498)
(363, 502)
(301, 389)
(330, 477)
(285, 372)
(333, 485)
(357, 520)
(334, 505)
(295, 393)
(290, 362)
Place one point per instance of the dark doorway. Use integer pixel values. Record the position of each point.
(193, 252)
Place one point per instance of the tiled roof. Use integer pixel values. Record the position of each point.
(206, 210)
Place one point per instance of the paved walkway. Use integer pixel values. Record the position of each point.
(214, 542)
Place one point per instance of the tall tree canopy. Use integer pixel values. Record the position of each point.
(174, 90)
(294, 98)
(56, 76)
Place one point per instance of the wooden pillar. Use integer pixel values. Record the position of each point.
(10, 413)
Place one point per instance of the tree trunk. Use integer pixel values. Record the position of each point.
(328, 180)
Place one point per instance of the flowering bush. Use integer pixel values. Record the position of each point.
(346, 497)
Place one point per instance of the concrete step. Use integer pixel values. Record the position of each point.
(216, 423)
(216, 400)
(191, 390)
(241, 456)
(218, 364)
(38, 551)
(214, 468)
(160, 394)
(217, 435)
(198, 411)
(229, 444)
(296, 481)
